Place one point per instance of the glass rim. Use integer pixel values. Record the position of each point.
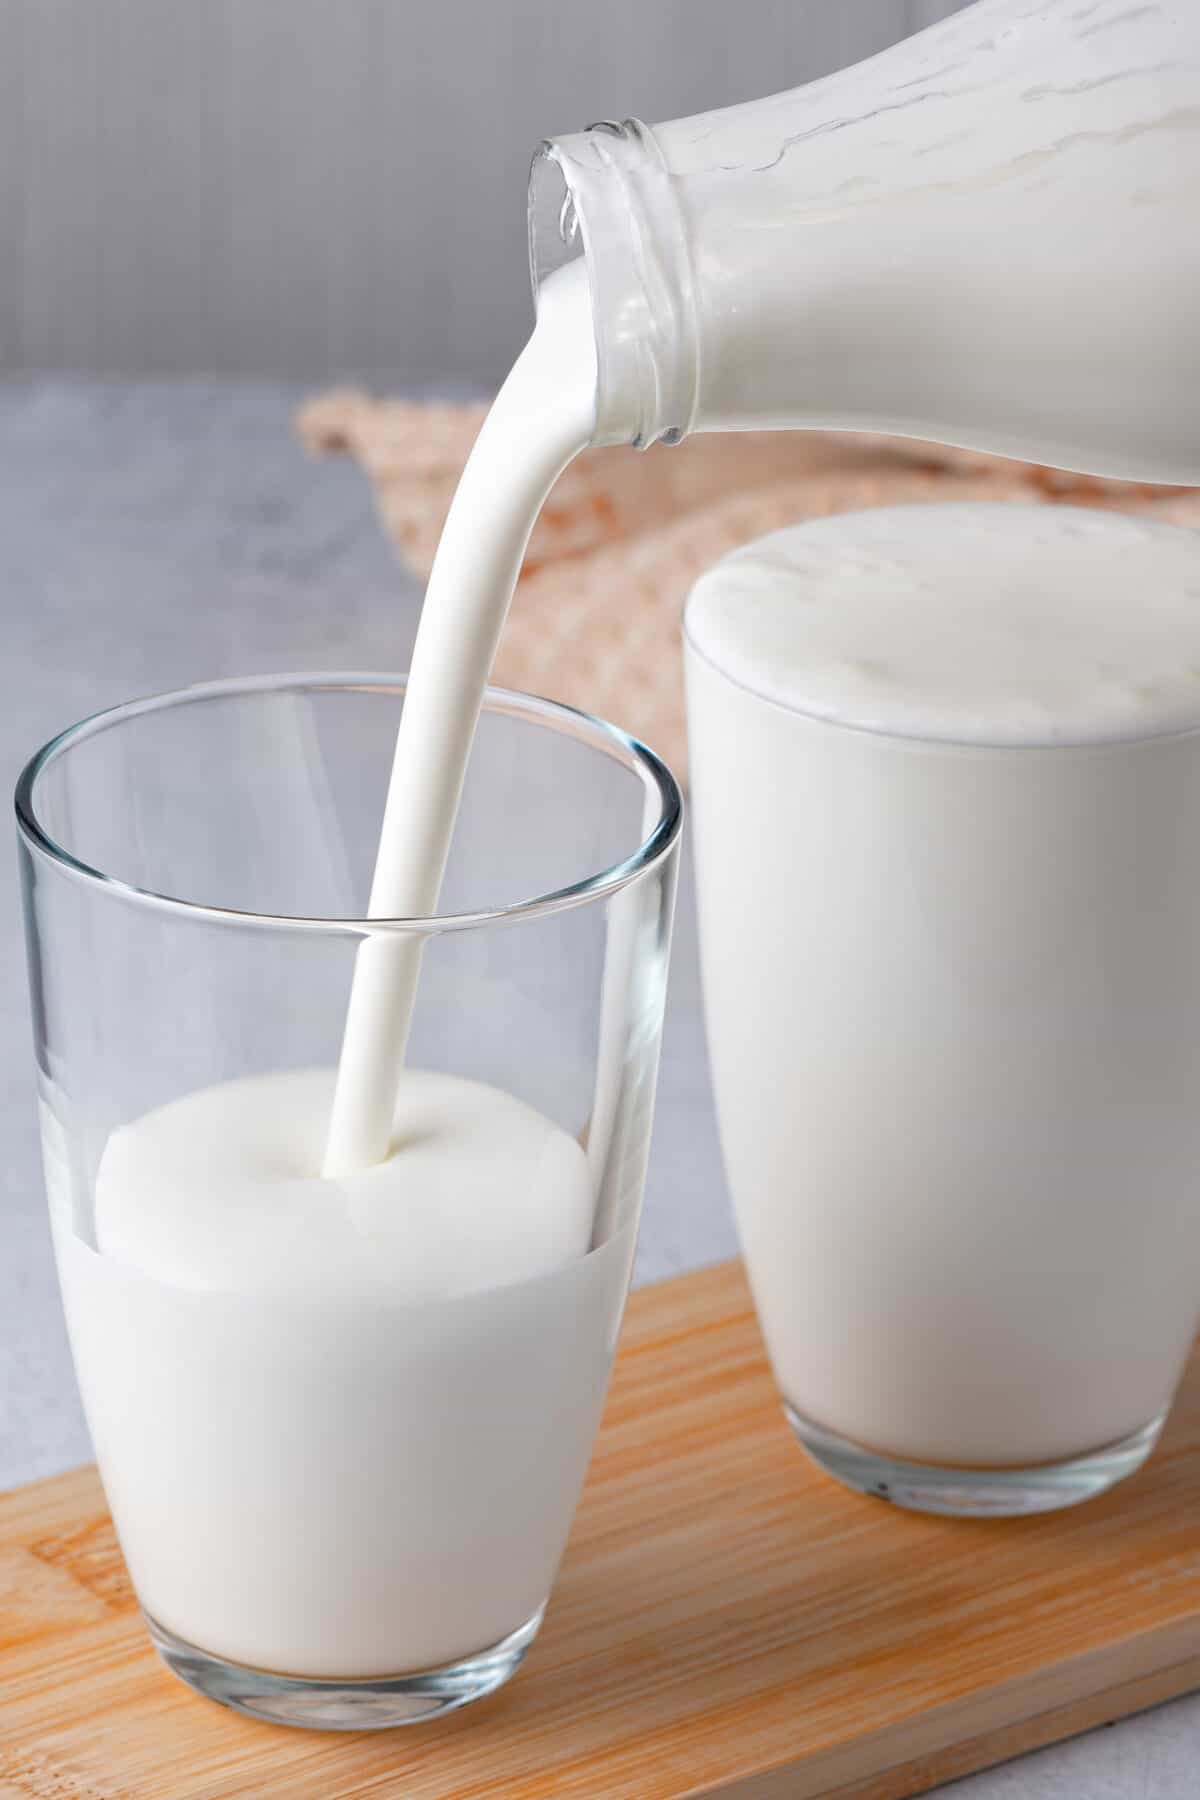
(584, 727)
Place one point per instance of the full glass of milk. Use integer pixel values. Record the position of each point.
(342, 1423)
(946, 788)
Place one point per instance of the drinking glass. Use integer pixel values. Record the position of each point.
(953, 1004)
(339, 1506)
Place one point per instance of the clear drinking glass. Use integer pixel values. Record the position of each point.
(342, 1470)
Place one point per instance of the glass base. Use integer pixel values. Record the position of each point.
(375, 1703)
(974, 1493)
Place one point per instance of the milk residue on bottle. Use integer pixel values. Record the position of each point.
(987, 235)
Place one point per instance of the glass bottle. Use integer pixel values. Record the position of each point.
(988, 234)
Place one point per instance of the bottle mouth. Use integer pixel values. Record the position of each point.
(606, 194)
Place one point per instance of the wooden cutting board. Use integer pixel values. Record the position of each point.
(728, 1622)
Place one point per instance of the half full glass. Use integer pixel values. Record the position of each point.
(342, 1436)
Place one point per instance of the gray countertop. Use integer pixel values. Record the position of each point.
(154, 534)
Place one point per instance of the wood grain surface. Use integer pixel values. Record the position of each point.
(728, 1622)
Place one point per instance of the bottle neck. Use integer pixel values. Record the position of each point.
(606, 193)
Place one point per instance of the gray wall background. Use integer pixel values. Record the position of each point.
(333, 187)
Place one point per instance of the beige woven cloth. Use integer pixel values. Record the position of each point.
(595, 620)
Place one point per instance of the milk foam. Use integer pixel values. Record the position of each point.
(978, 623)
